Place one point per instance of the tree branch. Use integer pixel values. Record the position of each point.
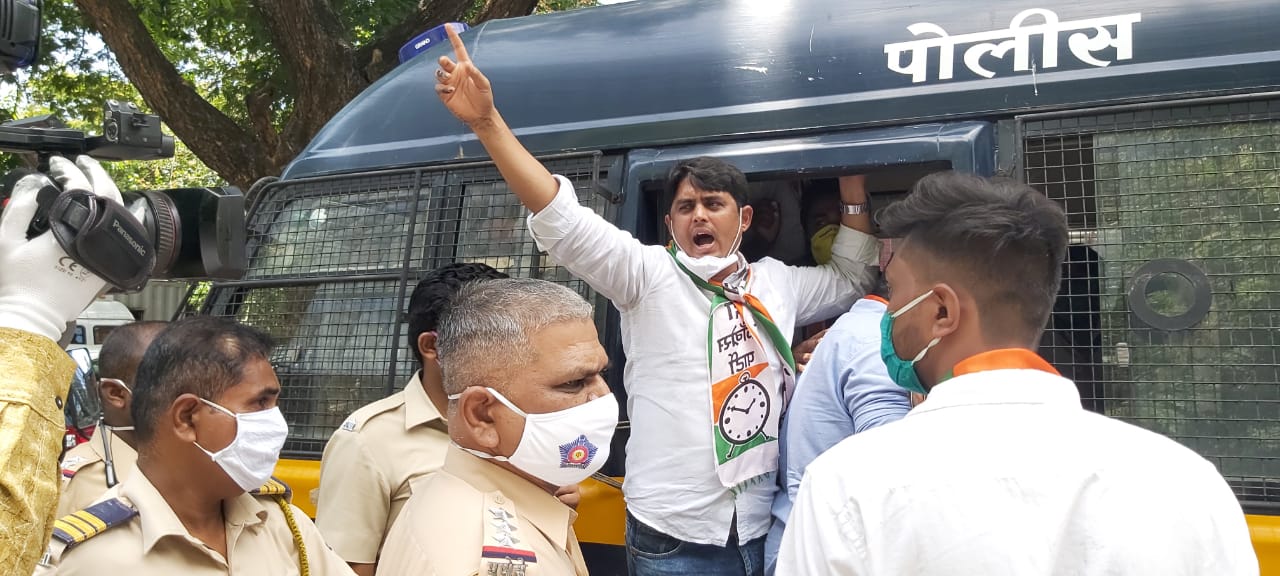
(258, 104)
(214, 138)
(313, 47)
(499, 9)
(381, 55)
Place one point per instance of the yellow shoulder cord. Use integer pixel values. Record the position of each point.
(305, 569)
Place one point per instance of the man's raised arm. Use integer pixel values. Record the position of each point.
(469, 96)
(593, 249)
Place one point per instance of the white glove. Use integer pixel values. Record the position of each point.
(41, 288)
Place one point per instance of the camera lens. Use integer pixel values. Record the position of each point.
(163, 223)
(196, 232)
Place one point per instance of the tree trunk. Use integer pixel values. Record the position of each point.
(234, 153)
(382, 55)
(498, 9)
(321, 63)
(325, 73)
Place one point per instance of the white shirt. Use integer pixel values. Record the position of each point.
(671, 480)
(1003, 473)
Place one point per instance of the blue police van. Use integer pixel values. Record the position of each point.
(1154, 123)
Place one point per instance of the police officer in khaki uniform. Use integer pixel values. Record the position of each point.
(201, 499)
(371, 460)
(93, 467)
(529, 411)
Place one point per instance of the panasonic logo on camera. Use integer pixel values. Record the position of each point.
(127, 238)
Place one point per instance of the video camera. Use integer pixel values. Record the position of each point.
(176, 233)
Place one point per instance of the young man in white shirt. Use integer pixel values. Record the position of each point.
(706, 337)
(1000, 471)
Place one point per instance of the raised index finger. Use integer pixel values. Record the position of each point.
(459, 48)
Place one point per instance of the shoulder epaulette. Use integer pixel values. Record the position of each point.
(274, 487)
(72, 463)
(77, 527)
(362, 415)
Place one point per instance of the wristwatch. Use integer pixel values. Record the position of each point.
(854, 209)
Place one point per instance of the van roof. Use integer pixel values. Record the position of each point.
(660, 72)
(107, 310)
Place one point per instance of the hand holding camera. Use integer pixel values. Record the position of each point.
(41, 286)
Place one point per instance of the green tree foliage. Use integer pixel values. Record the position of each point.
(245, 85)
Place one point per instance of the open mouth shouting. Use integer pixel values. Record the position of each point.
(704, 241)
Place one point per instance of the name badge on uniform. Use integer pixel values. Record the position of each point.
(502, 554)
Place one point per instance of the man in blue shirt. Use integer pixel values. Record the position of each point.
(844, 390)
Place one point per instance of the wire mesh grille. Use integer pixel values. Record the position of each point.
(333, 345)
(332, 227)
(1170, 301)
(479, 220)
(336, 328)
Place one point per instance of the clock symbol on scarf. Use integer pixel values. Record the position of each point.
(745, 411)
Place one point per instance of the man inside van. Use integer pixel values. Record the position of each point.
(105, 460)
(706, 338)
(1000, 471)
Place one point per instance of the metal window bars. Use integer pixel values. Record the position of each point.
(333, 261)
(1169, 311)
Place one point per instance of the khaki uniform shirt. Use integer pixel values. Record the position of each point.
(84, 470)
(153, 541)
(476, 518)
(368, 466)
(34, 375)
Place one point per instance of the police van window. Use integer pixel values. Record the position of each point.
(796, 216)
(326, 259)
(77, 336)
(480, 220)
(1166, 316)
(353, 228)
(333, 353)
(328, 281)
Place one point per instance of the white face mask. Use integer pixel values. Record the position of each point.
(251, 457)
(706, 267)
(561, 448)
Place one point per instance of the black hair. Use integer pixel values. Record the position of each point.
(710, 175)
(1001, 239)
(816, 192)
(123, 349)
(431, 297)
(202, 355)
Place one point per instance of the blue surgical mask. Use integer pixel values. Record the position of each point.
(902, 372)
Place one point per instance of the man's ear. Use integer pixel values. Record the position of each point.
(113, 394)
(475, 412)
(427, 346)
(747, 212)
(947, 319)
(183, 415)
